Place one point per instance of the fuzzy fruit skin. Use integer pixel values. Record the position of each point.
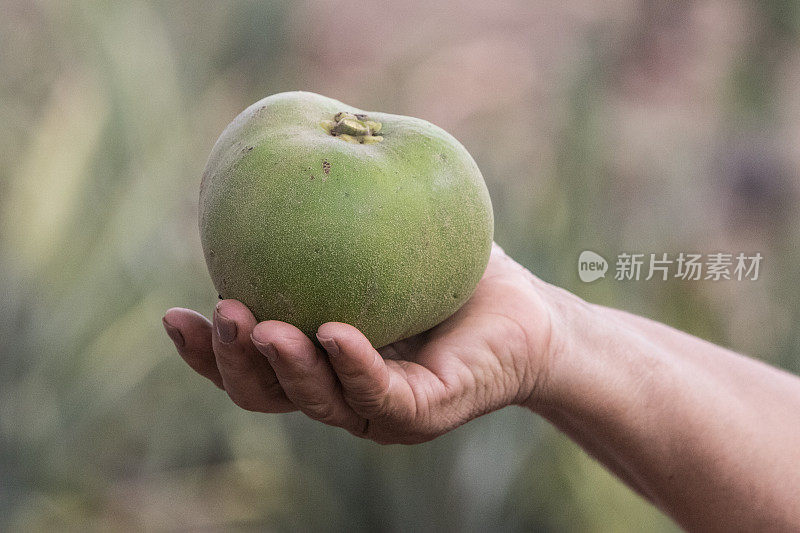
(306, 228)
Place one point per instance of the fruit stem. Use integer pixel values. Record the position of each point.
(354, 128)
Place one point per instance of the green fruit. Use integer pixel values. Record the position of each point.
(313, 211)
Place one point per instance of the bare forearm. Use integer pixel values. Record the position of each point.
(711, 437)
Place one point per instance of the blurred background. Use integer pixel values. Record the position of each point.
(612, 126)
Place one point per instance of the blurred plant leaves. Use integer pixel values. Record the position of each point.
(45, 193)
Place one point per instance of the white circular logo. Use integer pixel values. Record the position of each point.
(591, 266)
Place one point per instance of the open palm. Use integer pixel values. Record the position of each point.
(492, 352)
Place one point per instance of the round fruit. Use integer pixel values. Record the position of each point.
(313, 211)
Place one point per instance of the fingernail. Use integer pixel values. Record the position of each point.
(329, 344)
(268, 349)
(226, 328)
(174, 333)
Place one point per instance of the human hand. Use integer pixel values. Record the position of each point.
(492, 352)
(706, 434)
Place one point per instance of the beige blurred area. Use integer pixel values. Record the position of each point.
(613, 126)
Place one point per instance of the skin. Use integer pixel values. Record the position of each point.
(305, 226)
(709, 436)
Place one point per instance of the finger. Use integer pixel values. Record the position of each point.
(247, 377)
(371, 387)
(305, 375)
(191, 333)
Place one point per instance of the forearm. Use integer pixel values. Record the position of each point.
(711, 437)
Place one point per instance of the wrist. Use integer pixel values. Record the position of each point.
(580, 349)
(598, 365)
(548, 316)
(551, 338)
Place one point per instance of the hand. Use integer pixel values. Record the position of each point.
(492, 352)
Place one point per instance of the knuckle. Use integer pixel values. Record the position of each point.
(320, 411)
(363, 386)
(351, 369)
(369, 405)
(368, 388)
(295, 376)
(232, 360)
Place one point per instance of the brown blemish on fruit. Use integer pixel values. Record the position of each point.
(312, 177)
(326, 166)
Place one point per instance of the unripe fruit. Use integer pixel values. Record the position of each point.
(312, 211)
